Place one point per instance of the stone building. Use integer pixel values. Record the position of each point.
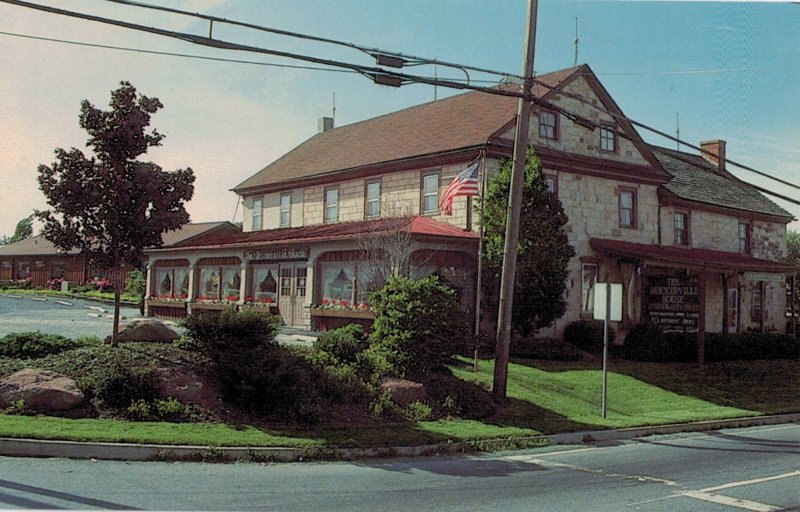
(694, 247)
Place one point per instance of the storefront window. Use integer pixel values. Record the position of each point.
(233, 282)
(265, 285)
(209, 283)
(182, 282)
(164, 279)
(338, 283)
(23, 269)
(57, 270)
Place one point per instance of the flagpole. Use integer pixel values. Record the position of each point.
(482, 170)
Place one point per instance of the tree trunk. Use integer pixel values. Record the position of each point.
(117, 286)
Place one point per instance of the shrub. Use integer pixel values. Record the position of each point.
(417, 411)
(158, 410)
(544, 348)
(418, 326)
(135, 283)
(647, 342)
(587, 335)
(32, 345)
(119, 385)
(750, 345)
(253, 371)
(344, 343)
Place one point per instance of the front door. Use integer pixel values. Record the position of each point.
(293, 287)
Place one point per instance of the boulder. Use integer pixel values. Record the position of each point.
(403, 392)
(148, 330)
(187, 387)
(42, 390)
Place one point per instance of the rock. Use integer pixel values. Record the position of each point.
(151, 331)
(403, 392)
(42, 390)
(188, 387)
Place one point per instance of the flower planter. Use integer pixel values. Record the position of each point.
(166, 309)
(271, 309)
(344, 313)
(208, 307)
(329, 319)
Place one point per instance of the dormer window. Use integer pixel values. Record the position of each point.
(548, 125)
(608, 138)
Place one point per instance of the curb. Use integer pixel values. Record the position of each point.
(153, 452)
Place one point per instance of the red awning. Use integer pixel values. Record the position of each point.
(688, 257)
(417, 226)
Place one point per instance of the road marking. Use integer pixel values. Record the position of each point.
(751, 482)
(728, 501)
(601, 472)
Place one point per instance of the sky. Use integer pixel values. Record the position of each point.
(721, 70)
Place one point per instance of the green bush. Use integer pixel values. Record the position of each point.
(587, 335)
(169, 409)
(552, 349)
(418, 326)
(750, 345)
(647, 342)
(119, 385)
(135, 283)
(33, 345)
(417, 411)
(253, 371)
(456, 398)
(344, 343)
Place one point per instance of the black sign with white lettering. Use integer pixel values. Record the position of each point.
(673, 302)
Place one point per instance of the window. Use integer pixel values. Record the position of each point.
(331, 205)
(733, 310)
(265, 285)
(608, 137)
(548, 125)
(744, 238)
(588, 279)
(348, 284)
(430, 193)
(23, 270)
(286, 208)
(627, 208)
(257, 209)
(220, 283)
(756, 304)
(681, 228)
(58, 269)
(372, 194)
(172, 283)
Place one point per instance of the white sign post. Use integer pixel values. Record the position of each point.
(607, 307)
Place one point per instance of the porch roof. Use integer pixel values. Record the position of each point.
(689, 257)
(417, 226)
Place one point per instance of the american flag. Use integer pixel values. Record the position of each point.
(464, 184)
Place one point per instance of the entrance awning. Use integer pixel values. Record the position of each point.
(670, 255)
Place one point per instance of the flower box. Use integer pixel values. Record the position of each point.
(271, 308)
(155, 303)
(208, 306)
(365, 314)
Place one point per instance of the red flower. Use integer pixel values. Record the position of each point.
(249, 299)
(324, 301)
(268, 300)
(232, 297)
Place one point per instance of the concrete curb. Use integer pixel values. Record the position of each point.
(151, 452)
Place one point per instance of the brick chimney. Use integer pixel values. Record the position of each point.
(716, 152)
(324, 124)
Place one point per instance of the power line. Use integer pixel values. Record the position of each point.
(172, 54)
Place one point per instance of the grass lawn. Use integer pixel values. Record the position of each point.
(570, 399)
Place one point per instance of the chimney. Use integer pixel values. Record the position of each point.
(715, 152)
(324, 124)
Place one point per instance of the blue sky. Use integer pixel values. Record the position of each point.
(729, 70)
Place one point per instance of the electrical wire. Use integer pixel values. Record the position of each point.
(173, 54)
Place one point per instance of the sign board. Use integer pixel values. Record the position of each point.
(764, 276)
(600, 301)
(673, 302)
(278, 254)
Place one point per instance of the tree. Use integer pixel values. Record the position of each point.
(111, 205)
(543, 251)
(23, 231)
(792, 285)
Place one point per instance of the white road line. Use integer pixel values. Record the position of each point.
(599, 472)
(751, 482)
(728, 501)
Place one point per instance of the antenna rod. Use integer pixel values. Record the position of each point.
(678, 130)
(334, 109)
(575, 61)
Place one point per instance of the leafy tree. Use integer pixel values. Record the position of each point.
(543, 252)
(23, 230)
(111, 205)
(793, 258)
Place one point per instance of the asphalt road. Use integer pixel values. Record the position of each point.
(739, 469)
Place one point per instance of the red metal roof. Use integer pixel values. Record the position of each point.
(690, 257)
(419, 226)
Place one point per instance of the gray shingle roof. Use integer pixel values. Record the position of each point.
(695, 179)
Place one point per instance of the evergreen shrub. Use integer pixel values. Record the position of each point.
(33, 345)
(588, 335)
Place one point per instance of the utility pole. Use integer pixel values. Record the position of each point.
(512, 216)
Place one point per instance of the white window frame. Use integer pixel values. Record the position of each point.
(548, 130)
(258, 214)
(285, 215)
(430, 193)
(608, 134)
(372, 200)
(330, 206)
(733, 310)
(587, 292)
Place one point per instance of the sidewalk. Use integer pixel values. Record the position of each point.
(145, 452)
